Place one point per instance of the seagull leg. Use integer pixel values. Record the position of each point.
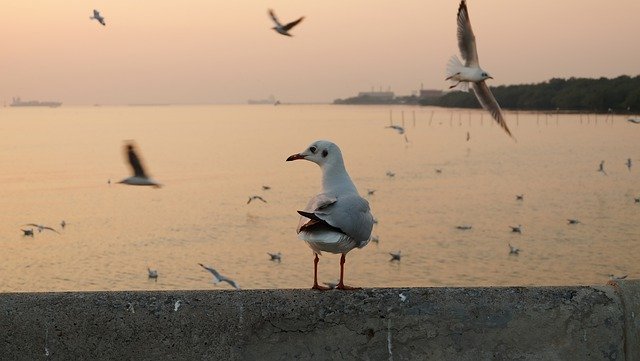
(341, 285)
(316, 286)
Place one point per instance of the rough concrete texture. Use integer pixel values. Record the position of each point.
(629, 292)
(516, 323)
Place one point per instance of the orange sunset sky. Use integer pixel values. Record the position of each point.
(197, 51)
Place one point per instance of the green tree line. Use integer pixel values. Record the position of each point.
(621, 94)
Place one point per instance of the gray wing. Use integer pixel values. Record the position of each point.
(489, 102)
(316, 203)
(274, 18)
(292, 24)
(215, 273)
(96, 13)
(351, 214)
(231, 282)
(466, 39)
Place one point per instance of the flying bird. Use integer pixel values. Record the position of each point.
(390, 174)
(464, 227)
(276, 257)
(97, 16)
(573, 221)
(516, 229)
(283, 29)
(397, 128)
(139, 177)
(519, 197)
(27, 232)
(601, 168)
(251, 198)
(41, 227)
(395, 256)
(217, 277)
(338, 219)
(266, 188)
(471, 72)
(513, 250)
(371, 192)
(63, 224)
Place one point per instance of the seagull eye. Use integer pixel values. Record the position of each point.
(313, 150)
(324, 153)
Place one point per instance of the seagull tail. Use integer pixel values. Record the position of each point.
(454, 66)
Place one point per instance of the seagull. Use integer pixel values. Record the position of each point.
(617, 278)
(463, 227)
(601, 167)
(217, 277)
(390, 174)
(27, 232)
(256, 197)
(468, 136)
(153, 273)
(41, 227)
(275, 256)
(402, 296)
(438, 170)
(395, 256)
(97, 16)
(513, 250)
(265, 188)
(139, 177)
(573, 221)
(629, 164)
(519, 197)
(63, 224)
(337, 220)
(397, 128)
(471, 72)
(634, 120)
(371, 192)
(283, 29)
(517, 229)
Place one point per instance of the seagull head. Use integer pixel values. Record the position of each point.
(485, 75)
(321, 152)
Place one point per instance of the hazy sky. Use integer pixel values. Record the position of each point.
(210, 51)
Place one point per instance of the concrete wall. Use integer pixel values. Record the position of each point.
(515, 323)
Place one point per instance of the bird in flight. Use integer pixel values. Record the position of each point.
(217, 277)
(283, 29)
(470, 71)
(40, 227)
(256, 197)
(97, 16)
(140, 177)
(395, 256)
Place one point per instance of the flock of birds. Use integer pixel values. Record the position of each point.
(338, 219)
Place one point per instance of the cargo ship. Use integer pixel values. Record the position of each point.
(17, 102)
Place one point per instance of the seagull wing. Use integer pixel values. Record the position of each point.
(489, 102)
(51, 229)
(290, 25)
(96, 14)
(134, 161)
(231, 282)
(262, 199)
(216, 276)
(274, 18)
(466, 39)
(350, 213)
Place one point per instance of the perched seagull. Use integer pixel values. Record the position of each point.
(390, 174)
(513, 250)
(265, 188)
(573, 221)
(276, 257)
(371, 192)
(517, 229)
(139, 178)
(217, 277)
(397, 128)
(283, 29)
(63, 224)
(519, 197)
(40, 227)
(256, 197)
(471, 72)
(337, 220)
(629, 164)
(617, 278)
(395, 256)
(601, 167)
(153, 273)
(634, 120)
(97, 16)
(463, 227)
(27, 232)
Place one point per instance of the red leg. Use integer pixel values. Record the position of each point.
(341, 285)
(316, 286)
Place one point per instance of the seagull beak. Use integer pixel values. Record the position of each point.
(296, 156)
(489, 77)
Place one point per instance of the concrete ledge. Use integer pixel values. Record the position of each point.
(514, 323)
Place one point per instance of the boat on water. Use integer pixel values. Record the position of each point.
(17, 102)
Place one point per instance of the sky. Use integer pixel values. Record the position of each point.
(210, 51)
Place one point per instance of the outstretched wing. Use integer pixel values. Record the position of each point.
(134, 161)
(489, 102)
(216, 275)
(96, 13)
(292, 24)
(274, 18)
(466, 39)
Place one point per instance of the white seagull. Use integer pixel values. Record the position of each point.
(395, 256)
(97, 16)
(338, 219)
(152, 273)
(634, 120)
(140, 177)
(217, 277)
(283, 29)
(471, 72)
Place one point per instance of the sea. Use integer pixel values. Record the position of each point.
(64, 164)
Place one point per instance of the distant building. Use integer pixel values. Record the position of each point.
(379, 96)
(430, 94)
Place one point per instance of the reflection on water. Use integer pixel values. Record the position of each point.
(55, 164)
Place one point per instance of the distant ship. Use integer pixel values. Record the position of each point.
(17, 102)
(270, 100)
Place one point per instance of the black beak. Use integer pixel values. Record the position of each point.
(295, 156)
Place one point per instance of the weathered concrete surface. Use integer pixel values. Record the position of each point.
(517, 323)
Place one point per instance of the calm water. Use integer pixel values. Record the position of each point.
(55, 163)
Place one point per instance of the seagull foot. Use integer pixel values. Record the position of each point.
(342, 286)
(320, 288)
